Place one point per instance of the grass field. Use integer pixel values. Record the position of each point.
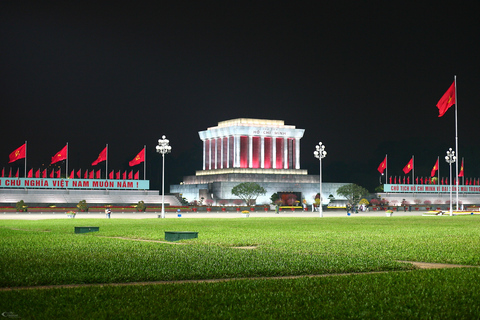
(248, 256)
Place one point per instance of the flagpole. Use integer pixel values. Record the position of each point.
(413, 168)
(438, 170)
(66, 164)
(456, 135)
(386, 169)
(25, 158)
(144, 162)
(106, 164)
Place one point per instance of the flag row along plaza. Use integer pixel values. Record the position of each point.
(74, 184)
(62, 155)
(429, 188)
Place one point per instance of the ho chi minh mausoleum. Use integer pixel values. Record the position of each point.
(252, 150)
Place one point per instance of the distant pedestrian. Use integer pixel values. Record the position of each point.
(107, 213)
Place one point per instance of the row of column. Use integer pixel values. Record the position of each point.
(251, 152)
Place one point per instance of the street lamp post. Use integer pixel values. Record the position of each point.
(450, 158)
(163, 148)
(320, 153)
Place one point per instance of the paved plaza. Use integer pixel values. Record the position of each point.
(188, 215)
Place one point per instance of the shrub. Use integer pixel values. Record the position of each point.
(21, 207)
(82, 205)
(427, 202)
(141, 207)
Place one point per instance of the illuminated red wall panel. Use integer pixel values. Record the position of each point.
(268, 153)
(279, 155)
(255, 152)
(207, 155)
(243, 152)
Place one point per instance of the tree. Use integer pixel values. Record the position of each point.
(248, 192)
(352, 192)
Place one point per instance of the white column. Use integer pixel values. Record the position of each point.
(236, 145)
(204, 154)
(228, 152)
(274, 152)
(221, 152)
(215, 140)
(262, 152)
(250, 151)
(285, 153)
(297, 153)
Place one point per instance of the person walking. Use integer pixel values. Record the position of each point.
(107, 213)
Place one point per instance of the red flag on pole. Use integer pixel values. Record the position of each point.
(408, 167)
(59, 172)
(44, 173)
(3, 172)
(101, 157)
(124, 176)
(98, 174)
(19, 153)
(91, 174)
(30, 173)
(117, 176)
(37, 173)
(460, 174)
(85, 176)
(72, 174)
(447, 100)
(52, 173)
(79, 174)
(10, 173)
(382, 165)
(110, 176)
(60, 155)
(136, 176)
(130, 175)
(138, 159)
(435, 168)
(16, 174)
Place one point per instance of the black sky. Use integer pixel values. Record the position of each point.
(363, 78)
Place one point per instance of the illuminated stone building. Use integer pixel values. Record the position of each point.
(252, 150)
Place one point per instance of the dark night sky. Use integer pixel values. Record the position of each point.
(362, 78)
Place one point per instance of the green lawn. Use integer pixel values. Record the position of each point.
(48, 252)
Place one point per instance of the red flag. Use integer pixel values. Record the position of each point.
(52, 173)
(382, 165)
(16, 174)
(117, 176)
(408, 167)
(447, 100)
(37, 173)
(435, 168)
(61, 155)
(10, 173)
(19, 153)
(91, 174)
(110, 176)
(460, 174)
(101, 157)
(72, 174)
(3, 172)
(136, 176)
(44, 173)
(85, 176)
(124, 176)
(98, 174)
(138, 159)
(130, 175)
(30, 173)
(79, 174)
(59, 172)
